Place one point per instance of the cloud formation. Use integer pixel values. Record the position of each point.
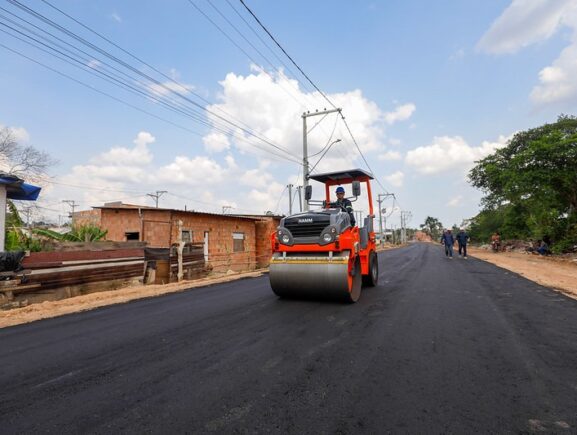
(448, 153)
(395, 179)
(527, 22)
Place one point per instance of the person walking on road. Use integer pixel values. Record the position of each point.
(462, 239)
(448, 240)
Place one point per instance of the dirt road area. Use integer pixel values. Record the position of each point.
(558, 274)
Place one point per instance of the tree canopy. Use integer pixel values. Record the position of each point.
(530, 185)
(433, 227)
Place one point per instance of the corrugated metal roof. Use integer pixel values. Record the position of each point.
(122, 206)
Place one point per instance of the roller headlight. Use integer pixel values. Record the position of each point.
(284, 236)
(327, 237)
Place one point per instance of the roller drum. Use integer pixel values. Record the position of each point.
(312, 276)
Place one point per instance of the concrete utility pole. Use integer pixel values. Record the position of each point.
(381, 198)
(158, 194)
(72, 205)
(290, 189)
(299, 188)
(405, 218)
(305, 152)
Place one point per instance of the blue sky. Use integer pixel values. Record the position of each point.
(426, 87)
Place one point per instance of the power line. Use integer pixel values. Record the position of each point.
(171, 79)
(71, 34)
(266, 45)
(286, 54)
(107, 78)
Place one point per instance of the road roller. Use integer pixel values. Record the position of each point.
(318, 254)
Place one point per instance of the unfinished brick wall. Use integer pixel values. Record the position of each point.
(87, 217)
(160, 229)
(220, 228)
(264, 229)
(119, 222)
(157, 226)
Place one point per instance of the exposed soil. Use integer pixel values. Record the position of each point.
(556, 273)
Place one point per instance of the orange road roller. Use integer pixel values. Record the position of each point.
(319, 254)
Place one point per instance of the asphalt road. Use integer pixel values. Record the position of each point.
(439, 346)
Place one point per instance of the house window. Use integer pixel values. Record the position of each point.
(132, 236)
(237, 242)
(186, 236)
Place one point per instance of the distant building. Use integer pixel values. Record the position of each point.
(231, 242)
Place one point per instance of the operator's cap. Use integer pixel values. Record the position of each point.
(340, 189)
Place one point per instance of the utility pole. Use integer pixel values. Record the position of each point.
(290, 189)
(305, 153)
(158, 194)
(381, 198)
(225, 208)
(299, 188)
(27, 211)
(405, 217)
(72, 205)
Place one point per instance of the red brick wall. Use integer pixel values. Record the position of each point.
(220, 242)
(157, 225)
(159, 228)
(264, 229)
(119, 222)
(87, 217)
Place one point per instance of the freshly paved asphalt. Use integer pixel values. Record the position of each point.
(439, 346)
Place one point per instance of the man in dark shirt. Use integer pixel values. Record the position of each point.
(345, 204)
(462, 239)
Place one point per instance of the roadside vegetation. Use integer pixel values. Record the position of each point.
(530, 187)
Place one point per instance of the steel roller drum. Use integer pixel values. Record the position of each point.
(311, 275)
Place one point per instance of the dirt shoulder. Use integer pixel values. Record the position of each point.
(91, 301)
(557, 273)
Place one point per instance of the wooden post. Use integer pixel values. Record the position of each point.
(180, 275)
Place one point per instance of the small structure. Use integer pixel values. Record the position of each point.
(13, 187)
(230, 242)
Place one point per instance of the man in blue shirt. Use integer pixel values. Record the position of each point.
(462, 239)
(448, 240)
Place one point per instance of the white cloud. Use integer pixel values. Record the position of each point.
(526, 22)
(454, 202)
(216, 142)
(116, 17)
(523, 23)
(401, 113)
(390, 155)
(450, 153)
(19, 133)
(273, 104)
(395, 179)
(121, 156)
(196, 171)
(394, 142)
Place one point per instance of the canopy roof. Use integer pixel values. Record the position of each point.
(342, 176)
(16, 188)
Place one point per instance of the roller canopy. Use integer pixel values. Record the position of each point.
(17, 189)
(343, 176)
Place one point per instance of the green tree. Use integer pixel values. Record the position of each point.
(433, 227)
(531, 184)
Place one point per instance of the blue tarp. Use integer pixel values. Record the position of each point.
(17, 189)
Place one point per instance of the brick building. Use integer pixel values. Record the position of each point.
(231, 242)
